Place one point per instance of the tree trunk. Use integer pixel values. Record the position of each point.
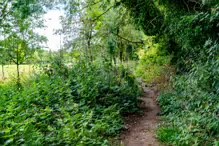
(61, 53)
(18, 72)
(121, 56)
(89, 49)
(18, 76)
(89, 37)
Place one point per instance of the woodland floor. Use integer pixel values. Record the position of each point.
(141, 130)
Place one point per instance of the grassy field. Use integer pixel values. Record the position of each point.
(10, 71)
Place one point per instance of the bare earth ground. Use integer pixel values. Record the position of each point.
(142, 129)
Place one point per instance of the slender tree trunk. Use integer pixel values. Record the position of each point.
(86, 51)
(18, 70)
(18, 73)
(61, 53)
(89, 43)
(121, 56)
(89, 49)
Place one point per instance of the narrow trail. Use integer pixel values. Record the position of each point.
(142, 129)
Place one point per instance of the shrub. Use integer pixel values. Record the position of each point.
(83, 107)
(191, 110)
(154, 60)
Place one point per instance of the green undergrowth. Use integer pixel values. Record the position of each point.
(153, 60)
(190, 112)
(79, 106)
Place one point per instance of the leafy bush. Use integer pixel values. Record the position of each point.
(190, 33)
(191, 110)
(154, 60)
(83, 107)
(107, 86)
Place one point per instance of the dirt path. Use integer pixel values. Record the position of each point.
(141, 129)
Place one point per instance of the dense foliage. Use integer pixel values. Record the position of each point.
(190, 109)
(154, 60)
(77, 106)
(83, 104)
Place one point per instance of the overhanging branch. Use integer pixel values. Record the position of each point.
(133, 42)
(102, 14)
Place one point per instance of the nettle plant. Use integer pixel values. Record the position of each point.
(84, 107)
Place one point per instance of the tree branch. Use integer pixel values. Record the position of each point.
(102, 14)
(127, 39)
(186, 5)
(90, 5)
